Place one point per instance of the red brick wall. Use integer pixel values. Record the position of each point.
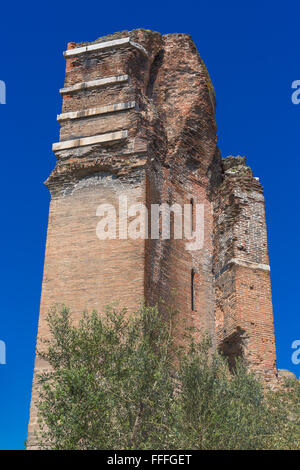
(244, 316)
(170, 156)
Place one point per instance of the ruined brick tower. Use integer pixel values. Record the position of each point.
(138, 120)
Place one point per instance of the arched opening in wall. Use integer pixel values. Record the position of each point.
(233, 346)
(193, 306)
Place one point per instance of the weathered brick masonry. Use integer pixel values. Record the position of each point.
(138, 119)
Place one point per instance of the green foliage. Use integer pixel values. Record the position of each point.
(219, 410)
(113, 385)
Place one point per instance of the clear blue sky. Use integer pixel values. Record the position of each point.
(251, 50)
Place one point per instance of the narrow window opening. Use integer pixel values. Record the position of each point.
(192, 215)
(193, 290)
